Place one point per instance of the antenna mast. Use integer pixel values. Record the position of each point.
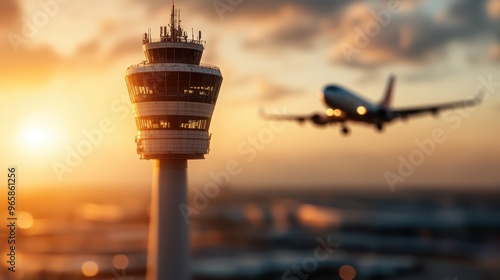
(172, 22)
(175, 24)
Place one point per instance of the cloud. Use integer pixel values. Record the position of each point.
(493, 8)
(418, 36)
(418, 32)
(269, 91)
(37, 65)
(371, 44)
(93, 56)
(414, 34)
(32, 65)
(29, 67)
(125, 47)
(10, 13)
(221, 10)
(295, 30)
(29, 64)
(31, 70)
(152, 6)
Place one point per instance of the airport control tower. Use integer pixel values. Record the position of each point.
(173, 96)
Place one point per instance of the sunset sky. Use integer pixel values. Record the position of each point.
(62, 77)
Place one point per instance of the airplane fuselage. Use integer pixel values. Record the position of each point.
(352, 106)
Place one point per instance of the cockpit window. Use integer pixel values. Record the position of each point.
(332, 88)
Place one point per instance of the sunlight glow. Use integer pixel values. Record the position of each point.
(40, 134)
(34, 136)
(100, 212)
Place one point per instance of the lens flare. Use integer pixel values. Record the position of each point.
(90, 268)
(120, 261)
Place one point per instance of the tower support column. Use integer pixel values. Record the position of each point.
(168, 252)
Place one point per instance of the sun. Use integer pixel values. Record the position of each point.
(39, 135)
(34, 136)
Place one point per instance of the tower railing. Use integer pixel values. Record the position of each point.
(180, 40)
(202, 65)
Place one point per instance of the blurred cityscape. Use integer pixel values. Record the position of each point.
(272, 234)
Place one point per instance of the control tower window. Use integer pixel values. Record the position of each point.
(173, 122)
(174, 55)
(174, 86)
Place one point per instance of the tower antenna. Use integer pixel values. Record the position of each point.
(172, 22)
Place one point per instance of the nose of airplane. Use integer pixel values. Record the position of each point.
(331, 88)
(328, 91)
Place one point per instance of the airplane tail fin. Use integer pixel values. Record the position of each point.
(386, 102)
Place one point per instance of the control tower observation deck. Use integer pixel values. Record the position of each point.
(173, 95)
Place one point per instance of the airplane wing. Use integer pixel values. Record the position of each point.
(316, 118)
(434, 109)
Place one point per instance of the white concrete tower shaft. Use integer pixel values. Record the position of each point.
(168, 248)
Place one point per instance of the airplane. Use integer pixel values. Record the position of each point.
(344, 106)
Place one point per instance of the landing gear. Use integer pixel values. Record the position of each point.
(345, 130)
(380, 127)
